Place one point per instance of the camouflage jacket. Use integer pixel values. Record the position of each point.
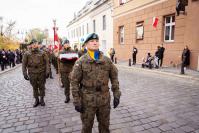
(92, 77)
(35, 62)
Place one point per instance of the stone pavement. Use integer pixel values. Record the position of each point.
(10, 69)
(150, 103)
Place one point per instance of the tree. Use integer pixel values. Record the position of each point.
(37, 34)
(6, 29)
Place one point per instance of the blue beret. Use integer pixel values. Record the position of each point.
(91, 37)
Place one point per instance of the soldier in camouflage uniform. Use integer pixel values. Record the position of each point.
(49, 55)
(89, 85)
(35, 68)
(82, 51)
(66, 66)
(54, 60)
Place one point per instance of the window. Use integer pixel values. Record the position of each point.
(169, 28)
(77, 33)
(140, 30)
(71, 34)
(93, 25)
(82, 30)
(87, 28)
(121, 2)
(103, 47)
(121, 34)
(104, 22)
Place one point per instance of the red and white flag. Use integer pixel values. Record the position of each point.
(155, 22)
(56, 39)
(55, 34)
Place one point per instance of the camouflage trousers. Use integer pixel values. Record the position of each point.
(66, 82)
(38, 81)
(103, 117)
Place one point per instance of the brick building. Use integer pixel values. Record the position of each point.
(133, 19)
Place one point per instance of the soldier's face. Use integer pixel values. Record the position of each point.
(66, 45)
(92, 45)
(35, 45)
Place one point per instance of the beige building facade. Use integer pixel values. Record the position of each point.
(134, 25)
(94, 17)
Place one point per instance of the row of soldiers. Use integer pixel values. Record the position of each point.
(86, 77)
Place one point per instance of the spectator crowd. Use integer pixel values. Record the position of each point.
(9, 58)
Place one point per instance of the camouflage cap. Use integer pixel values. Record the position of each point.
(91, 37)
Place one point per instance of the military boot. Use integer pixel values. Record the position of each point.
(67, 99)
(36, 102)
(42, 101)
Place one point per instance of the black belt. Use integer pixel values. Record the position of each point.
(93, 88)
(33, 67)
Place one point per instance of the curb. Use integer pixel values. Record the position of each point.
(160, 72)
(6, 71)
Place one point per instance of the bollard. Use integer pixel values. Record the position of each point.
(129, 62)
(115, 60)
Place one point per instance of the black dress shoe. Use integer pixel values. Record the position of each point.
(42, 101)
(67, 100)
(36, 102)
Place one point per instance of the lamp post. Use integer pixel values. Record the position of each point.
(55, 30)
(54, 22)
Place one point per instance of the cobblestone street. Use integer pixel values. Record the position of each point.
(150, 103)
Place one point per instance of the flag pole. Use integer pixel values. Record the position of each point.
(58, 63)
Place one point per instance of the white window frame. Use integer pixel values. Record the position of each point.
(82, 30)
(121, 34)
(140, 30)
(170, 24)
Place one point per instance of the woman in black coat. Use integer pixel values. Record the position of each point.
(185, 59)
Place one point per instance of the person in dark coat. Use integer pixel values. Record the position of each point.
(185, 58)
(157, 57)
(12, 59)
(1, 60)
(181, 6)
(161, 55)
(135, 51)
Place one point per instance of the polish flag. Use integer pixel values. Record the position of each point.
(56, 39)
(57, 45)
(55, 34)
(155, 22)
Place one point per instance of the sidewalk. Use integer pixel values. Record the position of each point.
(190, 74)
(9, 69)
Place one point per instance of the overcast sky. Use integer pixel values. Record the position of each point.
(40, 13)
